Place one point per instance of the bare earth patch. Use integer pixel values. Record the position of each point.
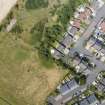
(5, 6)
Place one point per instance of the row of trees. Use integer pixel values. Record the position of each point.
(43, 36)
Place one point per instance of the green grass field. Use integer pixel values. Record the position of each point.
(23, 81)
(23, 78)
(26, 78)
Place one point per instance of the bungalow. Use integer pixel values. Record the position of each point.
(75, 27)
(86, 14)
(57, 53)
(90, 100)
(84, 102)
(68, 86)
(67, 41)
(81, 68)
(80, 16)
(62, 48)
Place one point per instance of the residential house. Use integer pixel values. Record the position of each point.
(57, 53)
(90, 100)
(67, 41)
(68, 86)
(86, 15)
(83, 102)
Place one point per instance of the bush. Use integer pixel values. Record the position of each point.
(35, 4)
(17, 29)
(37, 33)
(67, 11)
(81, 79)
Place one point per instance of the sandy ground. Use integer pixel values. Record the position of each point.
(5, 6)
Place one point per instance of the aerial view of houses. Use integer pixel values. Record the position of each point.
(52, 52)
(82, 49)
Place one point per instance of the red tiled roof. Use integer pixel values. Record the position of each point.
(102, 25)
(84, 15)
(77, 23)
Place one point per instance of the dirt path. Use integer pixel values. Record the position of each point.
(5, 6)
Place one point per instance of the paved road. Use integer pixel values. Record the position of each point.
(99, 15)
(79, 47)
(103, 103)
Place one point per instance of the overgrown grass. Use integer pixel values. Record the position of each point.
(36, 4)
(23, 78)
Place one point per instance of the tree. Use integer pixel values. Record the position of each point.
(81, 79)
(17, 29)
(35, 4)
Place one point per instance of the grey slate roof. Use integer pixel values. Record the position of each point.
(84, 102)
(58, 52)
(69, 86)
(67, 40)
(73, 30)
(92, 100)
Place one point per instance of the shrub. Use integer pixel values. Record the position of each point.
(35, 4)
